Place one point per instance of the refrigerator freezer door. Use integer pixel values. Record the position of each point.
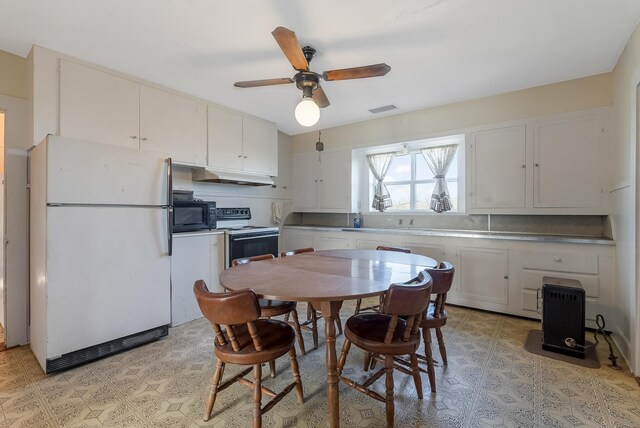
(108, 274)
(82, 172)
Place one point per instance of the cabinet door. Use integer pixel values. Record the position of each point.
(191, 261)
(334, 185)
(305, 180)
(294, 241)
(98, 106)
(329, 243)
(173, 124)
(484, 275)
(260, 146)
(224, 141)
(498, 168)
(568, 163)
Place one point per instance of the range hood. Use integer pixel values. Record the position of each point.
(211, 175)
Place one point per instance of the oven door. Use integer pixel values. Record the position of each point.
(251, 244)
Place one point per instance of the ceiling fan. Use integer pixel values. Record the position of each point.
(313, 97)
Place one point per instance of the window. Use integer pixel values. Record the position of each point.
(410, 181)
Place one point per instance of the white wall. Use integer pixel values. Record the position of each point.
(17, 218)
(623, 184)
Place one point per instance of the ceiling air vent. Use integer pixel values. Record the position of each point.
(383, 108)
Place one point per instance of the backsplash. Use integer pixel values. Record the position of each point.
(591, 225)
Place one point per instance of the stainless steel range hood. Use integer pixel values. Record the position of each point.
(211, 175)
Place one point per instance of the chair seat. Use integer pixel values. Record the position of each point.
(273, 308)
(367, 331)
(277, 338)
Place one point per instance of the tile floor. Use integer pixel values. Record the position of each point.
(490, 381)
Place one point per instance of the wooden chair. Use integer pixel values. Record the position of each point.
(246, 340)
(392, 332)
(376, 308)
(274, 308)
(436, 317)
(312, 313)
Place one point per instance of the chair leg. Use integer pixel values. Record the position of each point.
(296, 325)
(257, 396)
(314, 327)
(443, 350)
(417, 380)
(215, 382)
(296, 374)
(309, 309)
(343, 355)
(367, 361)
(338, 322)
(388, 363)
(426, 334)
(373, 361)
(272, 368)
(358, 304)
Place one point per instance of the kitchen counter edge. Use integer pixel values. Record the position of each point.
(510, 236)
(198, 233)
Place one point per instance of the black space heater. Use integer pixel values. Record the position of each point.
(563, 314)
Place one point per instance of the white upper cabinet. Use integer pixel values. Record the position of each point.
(260, 146)
(173, 124)
(498, 168)
(568, 163)
(105, 108)
(98, 106)
(322, 181)
(224, 139)
(242, 143)
(552, 165)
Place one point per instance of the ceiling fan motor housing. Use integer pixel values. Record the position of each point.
(307, 81)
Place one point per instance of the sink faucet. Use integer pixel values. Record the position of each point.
(411, 222)
(400, 221)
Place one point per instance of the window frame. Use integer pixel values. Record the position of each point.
(413, 148)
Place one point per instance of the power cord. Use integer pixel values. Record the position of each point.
(571, 342)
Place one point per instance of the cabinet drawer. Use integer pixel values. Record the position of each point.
(561, 261)
(532, 280)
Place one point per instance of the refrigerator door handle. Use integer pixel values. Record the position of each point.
(170, 206)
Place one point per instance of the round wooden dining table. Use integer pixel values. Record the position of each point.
(326, 279)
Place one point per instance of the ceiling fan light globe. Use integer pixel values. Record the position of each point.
(307, 112)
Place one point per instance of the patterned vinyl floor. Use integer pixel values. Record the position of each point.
(490, 381)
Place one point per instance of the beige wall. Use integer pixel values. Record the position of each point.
(579, 94)
(13, 80)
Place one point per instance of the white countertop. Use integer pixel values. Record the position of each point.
(513, 236)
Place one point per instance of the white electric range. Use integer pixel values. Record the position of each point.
(242, 239)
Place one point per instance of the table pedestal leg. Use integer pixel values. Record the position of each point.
(329, 312)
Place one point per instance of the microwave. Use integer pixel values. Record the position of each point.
(193, 215)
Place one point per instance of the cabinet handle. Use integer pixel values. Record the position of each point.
(144, 139)
(506, 277)
(524, 166)
(244, 157)
(239, 156)
(134, 137)
(558, 259)
(315, 181)
(321, 181)
(537, 164)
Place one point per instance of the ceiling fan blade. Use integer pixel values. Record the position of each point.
(357, 72)
(288, 42)
(264, 82)
(320, 98)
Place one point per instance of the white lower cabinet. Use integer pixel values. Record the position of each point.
(195, 256)
(484, 277)
(495, 275)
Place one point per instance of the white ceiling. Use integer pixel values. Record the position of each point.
(440, 51)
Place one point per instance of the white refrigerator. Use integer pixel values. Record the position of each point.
(100, 235)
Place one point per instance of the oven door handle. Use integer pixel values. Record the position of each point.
(255, 237)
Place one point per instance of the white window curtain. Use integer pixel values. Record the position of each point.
(439, 159)
(379, 165)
